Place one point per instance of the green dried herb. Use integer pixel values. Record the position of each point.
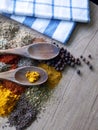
(4, 67)
(27, 39)
(38, 95)
(8, 32)
(13, 30)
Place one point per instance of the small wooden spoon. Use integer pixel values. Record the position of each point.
(37, 51)
(18, 75)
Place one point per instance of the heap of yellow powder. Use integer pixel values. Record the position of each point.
(32, 76)
(7, 101)
(54, 76)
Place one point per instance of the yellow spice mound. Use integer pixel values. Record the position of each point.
(32, 76)
(7, 101)
(54, 76)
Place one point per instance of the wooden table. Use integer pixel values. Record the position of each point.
(74, 105)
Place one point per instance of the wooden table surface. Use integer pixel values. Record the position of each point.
(74, 105)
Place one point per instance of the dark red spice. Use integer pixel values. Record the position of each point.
(9, 59)
(13, 66)
(13, 60)
(15, 88)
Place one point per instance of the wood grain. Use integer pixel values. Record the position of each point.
(74, 105)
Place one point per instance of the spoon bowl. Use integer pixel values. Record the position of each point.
(18, 75)
(37, 51)
(43, 51)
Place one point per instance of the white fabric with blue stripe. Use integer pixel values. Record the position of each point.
(61, 14)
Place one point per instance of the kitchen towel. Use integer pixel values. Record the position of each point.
(74, 10)
(54, 18)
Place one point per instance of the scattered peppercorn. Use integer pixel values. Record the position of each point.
(91, 67)
(90, 56)
(84, 59)
(78, 62)
(88, 63)
(64, 58)
(78, 72)
(81, 56)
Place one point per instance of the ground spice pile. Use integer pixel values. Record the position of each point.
(38, 96)
(7, 101)
(23, 115)
(8, 31)
(27, 108)
(29, 103)
(54, 76)
(13, 87)
(10, 59)
(9, 91)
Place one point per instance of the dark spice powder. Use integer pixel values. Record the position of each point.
(23, 115)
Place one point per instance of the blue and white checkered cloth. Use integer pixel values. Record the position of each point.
(75, 10)
(54, 18)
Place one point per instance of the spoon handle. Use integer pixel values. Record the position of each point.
(18, 51)
(8, 75)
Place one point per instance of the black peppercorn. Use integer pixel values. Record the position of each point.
(84, 59)
(68, 53)
(81, 56)
(73, 59)
(78, 72)
(78, 59)
(91, 67)
(89, 56)
(62, 49)
(65, 51)
(62, 56)
(54, 43)
(78, 62)
(88, 63)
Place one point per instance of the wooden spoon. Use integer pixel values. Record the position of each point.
(18, 75)
(37, 51)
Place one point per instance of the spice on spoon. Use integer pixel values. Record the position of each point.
(32, 76)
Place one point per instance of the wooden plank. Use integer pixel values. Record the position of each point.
(74, 105)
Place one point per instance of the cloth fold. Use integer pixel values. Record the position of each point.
(54, 18)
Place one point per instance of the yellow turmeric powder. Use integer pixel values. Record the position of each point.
(32, 76)
(53, 75)
(7, 101)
